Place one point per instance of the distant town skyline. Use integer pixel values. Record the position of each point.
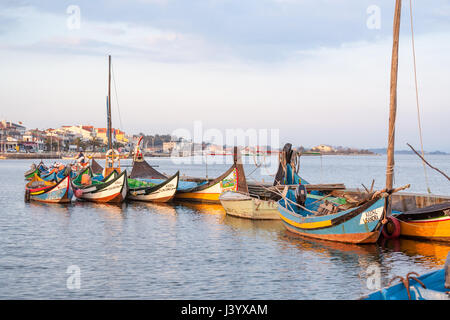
(316, 70)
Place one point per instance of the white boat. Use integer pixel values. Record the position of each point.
(250, 207)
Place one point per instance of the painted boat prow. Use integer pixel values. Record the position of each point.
(59, 192)
(231, 180)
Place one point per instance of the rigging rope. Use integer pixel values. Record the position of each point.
(115, 90)
(417, 95)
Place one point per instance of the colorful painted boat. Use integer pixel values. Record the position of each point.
(315, 214)
(50, 192)
(112, 189)
(147, 191)
(430, 222)
(434, 285)
(257, 201)
(147, 184)
(96, 167)
(31, 173)
(209, 191)
(359, 225)
(35, 170)
(194, 190)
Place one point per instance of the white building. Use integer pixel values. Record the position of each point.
(84, 132)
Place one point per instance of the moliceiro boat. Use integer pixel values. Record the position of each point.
(112, 189)
(162, 190)
(194, 190)
(41, 190)
(147, 191)
(35, 170)
(112, 185)
(209, 191)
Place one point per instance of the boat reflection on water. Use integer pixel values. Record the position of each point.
(153, 207)
(329, 247)
(202, 208)
(429, 253)
(111, 208)
(361, 256)
(253, 226)
(46, 208)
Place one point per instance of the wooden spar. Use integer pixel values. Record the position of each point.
(111, 154)
(393, 97)
(426, 162)
(242, 181)
(109, 105)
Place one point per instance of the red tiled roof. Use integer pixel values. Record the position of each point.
(88, 128)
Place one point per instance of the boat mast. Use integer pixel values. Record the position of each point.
(393, 98)
(109, 105)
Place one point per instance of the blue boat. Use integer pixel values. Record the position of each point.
(317, 215)
(434, 285)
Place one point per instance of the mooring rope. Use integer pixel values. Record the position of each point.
(417, 95)
(405, 281)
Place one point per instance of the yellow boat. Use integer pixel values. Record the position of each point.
(425, 216)
(209, 191)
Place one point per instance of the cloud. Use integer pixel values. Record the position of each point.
(48, 32)
(316, 72)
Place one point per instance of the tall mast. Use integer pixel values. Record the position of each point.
(393, 97)
(109, 106)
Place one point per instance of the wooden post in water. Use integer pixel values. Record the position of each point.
(393, 98)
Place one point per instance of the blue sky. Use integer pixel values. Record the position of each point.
(313, 69)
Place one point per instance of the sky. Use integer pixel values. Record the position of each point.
(316, 70)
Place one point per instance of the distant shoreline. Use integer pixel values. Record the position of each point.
(39, 156)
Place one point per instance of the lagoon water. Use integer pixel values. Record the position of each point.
(187, 251)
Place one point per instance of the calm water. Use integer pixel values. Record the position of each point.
(149, 251)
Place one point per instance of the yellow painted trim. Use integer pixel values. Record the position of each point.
(200, 196)
(436, 229)
(307, 225)
(37, 193)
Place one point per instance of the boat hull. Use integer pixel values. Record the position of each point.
(360, 225)
(242, 206)
(425, 217)
(211, 192)
(30, 174)
(433, 229)
(163, 192)
(62, 192)
(113, 190)
(435, 290)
